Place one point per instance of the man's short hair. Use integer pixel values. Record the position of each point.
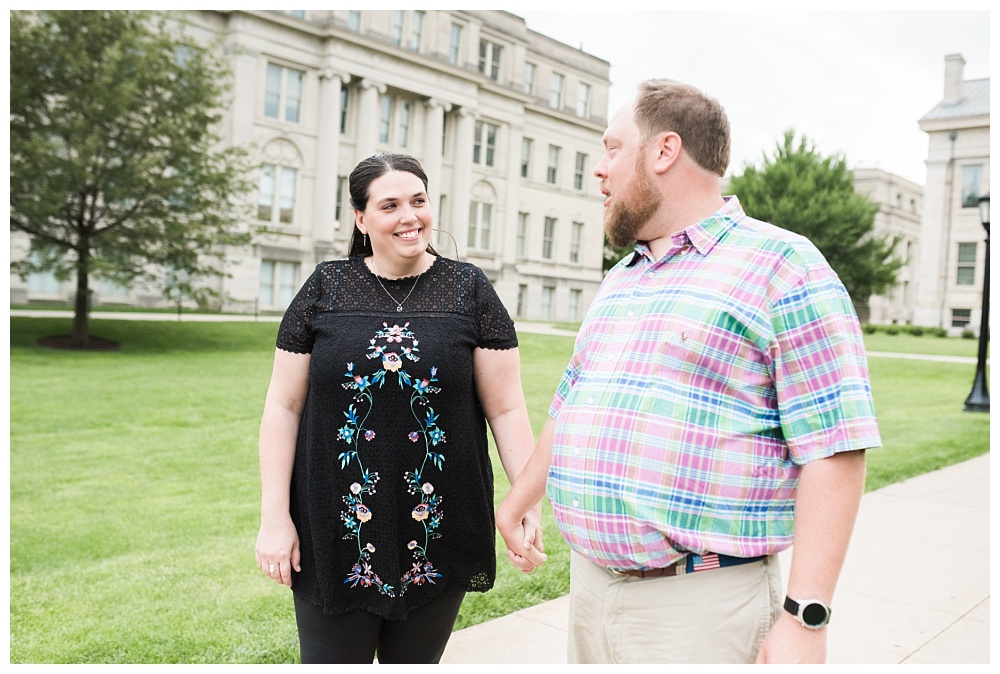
(701, 122)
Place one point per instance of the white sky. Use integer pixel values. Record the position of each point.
(854, 82)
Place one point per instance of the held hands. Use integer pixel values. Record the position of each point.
(523, 537)
(789, 642)
(277, 550)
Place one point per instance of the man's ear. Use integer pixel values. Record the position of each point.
(668, 148)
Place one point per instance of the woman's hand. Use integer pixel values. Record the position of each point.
(278, 549)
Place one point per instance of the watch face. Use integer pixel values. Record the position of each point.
(814, 614)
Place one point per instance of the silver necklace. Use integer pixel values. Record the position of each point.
(399, 305)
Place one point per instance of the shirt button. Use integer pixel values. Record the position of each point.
(590, 401)
(576, 451)
(576, 504)
(630, 314)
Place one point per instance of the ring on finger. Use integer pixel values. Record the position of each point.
(272, 568)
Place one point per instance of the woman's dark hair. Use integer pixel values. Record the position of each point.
(364, 174)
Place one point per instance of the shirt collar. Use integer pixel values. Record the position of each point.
(703, 235)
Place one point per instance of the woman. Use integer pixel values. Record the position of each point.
(377, 487)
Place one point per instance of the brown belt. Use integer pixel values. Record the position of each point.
(664, 572)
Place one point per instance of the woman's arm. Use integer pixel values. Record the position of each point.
(278, 542)
(498, 383)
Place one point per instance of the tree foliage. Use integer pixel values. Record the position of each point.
(802, 191)
(116, 168)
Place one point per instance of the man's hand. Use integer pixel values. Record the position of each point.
(523, 536)
(788, 642)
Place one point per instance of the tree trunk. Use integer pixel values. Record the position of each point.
(81, 307)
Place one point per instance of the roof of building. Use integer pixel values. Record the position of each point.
(975, 102)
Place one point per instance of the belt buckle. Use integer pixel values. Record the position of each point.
(616, 572)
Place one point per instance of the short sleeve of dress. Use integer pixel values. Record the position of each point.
(496, 329)
(295, 332)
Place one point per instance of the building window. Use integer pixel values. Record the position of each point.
(397, 27)
(548, 295)
(971, 179)
(526, 144)
(354, 21)
(442, 221)
(277, 186)
(278, 283)
(552, 173)
(339, 208)
(384, 117)
(480, 224)
(575, 242)
(416, 30)
(454, 46)
(575, 300)
(580, 170)
(529, 78)
(485, 144)
(283, 93)
(522, 235)
(404, 123)
(965, 273)
(548, 237)
(343, 109)
(42, 282)
(583, 100)
(489, 59)
(522, 300)
(960, 318)
(555, 91)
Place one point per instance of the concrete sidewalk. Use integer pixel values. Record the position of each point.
(915, 587)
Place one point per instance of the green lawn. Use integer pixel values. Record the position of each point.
(134, 490)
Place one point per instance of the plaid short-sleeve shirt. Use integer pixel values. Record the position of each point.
(699, 385)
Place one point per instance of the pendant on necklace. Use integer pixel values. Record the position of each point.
(399, 308)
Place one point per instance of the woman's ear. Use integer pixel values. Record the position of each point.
(359, 221)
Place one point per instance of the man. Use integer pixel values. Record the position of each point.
(717, 401)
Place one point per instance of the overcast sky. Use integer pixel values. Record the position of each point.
(854, 82)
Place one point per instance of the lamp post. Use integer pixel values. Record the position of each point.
(979, 397)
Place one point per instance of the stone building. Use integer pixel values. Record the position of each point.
(900, 207)
(953, 250)
(506, 121)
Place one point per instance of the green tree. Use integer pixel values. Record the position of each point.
(116, 169)
(802, 191)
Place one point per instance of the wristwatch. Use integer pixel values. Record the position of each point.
(811, 613)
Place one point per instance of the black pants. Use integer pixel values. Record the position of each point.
(357, 636)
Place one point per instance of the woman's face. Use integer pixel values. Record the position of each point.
(398, 218)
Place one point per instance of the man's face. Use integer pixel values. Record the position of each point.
(631, 199)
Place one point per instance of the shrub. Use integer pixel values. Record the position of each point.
(892, 329)
(915, 330)
(939, 332)
(869, 328)
(968, 334)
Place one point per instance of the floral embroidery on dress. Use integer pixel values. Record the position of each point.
(426, 512)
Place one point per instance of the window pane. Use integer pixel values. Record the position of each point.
(971, 178)
(484, 230)
(266, 283)
(265, 199)
(967, 252)
(385, 106)
(965, 276)
(287, 194)
(293, 95)
(473, 214)
(272, 91)
(286, 290)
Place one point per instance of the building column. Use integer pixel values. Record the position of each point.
(368, 119)
(434, 129)
(327, 152)
(462, 180)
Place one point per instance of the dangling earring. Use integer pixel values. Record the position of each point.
(365, 237)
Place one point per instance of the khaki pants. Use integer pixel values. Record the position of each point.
(717, 616)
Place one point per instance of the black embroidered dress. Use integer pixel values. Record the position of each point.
(392, 488)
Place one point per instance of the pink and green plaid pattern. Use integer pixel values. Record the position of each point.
(699, 385)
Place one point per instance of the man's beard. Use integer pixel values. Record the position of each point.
(623, 220)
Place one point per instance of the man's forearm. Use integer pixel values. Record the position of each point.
(826, 506)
